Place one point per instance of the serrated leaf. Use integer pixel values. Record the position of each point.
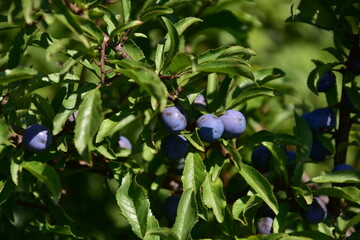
(231, 67)
(135, 205)
(303, 134)
(47, 175)
(233, 52)
(349, 193)
(172, 40)
(146, 79)
(265, 75)
(194, 172)
(88, 120)
(234, 154)
(281, 219)
(17, 74)
(163, 233)
(114, 124)
(214, 197)
(179, 63)
(109, 18)
(125, 26)
(245, 208)
(133, 50)
(248, 94)
(346, 176)
(260, 185)
(66, 44)
(154, 11)
(186, 215)
(304, 192)
(126, 10)
(91, 29)
(183, 24)
(263, 135)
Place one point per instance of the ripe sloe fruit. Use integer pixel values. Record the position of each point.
(37, 138)
(320, 120)
(234, 123)
(317, 211)
(199, 102)
(175, 146)
(210, 127)
(261, 158)
(171, 205)
(342, 167)
(318, 151)
(326, 82)
(264, 225)
(174, 118)
(124, 143)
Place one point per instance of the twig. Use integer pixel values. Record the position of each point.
(103, 58)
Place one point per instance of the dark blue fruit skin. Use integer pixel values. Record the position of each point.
(291, 161)
(317, 211)
(326, 82)
(342, 167)
(264, 225)
(124, 143)
(234, 124)
(171, 205)
(320, 120)
(261, 158)
(174, 118)
(210, 127)
(175, 146)
(318, 151)
(37, 138)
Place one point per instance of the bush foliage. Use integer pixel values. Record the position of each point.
(92, 71)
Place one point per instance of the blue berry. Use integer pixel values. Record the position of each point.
(37, 138)
(171, 206)
(234, 123)
(320, 120)
(317, 211)
(261, 158)
(199, 102)
(124, 143)
(291, 161)
(264, 225)
(318, 151)
(342, 167)
(210, 128)
(326, 82)
(175, 146)
(174, 118)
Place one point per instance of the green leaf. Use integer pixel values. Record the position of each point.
(47, 175)
(126, 10)
(231, 67)
(63, 230)
(304, 192)
(125, 26)
(266, 136)
(211, 90)
(114, 124)
(6, 188)
(45, 109)
(260, 185)
(179, 63)
(346, 176)
(214, 197)
(234, 154)
(303, 134)
(104, 148)
(265, 75)
(349, 193)
(186, 215)
(315, 235)
(183, 24)
(194, 172)
(66, 44)
(154, 11)
(4, 132)
(280, 159)
(163, 233)
(7, 26)
(249, 93)
(227, 53)
(133, 50)
(109, 18)
(172, 40)
(91, 29)
(88, 120)
(280, 221)
(17, 74)
(135, 206)
(244, 209)
(146, 79)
